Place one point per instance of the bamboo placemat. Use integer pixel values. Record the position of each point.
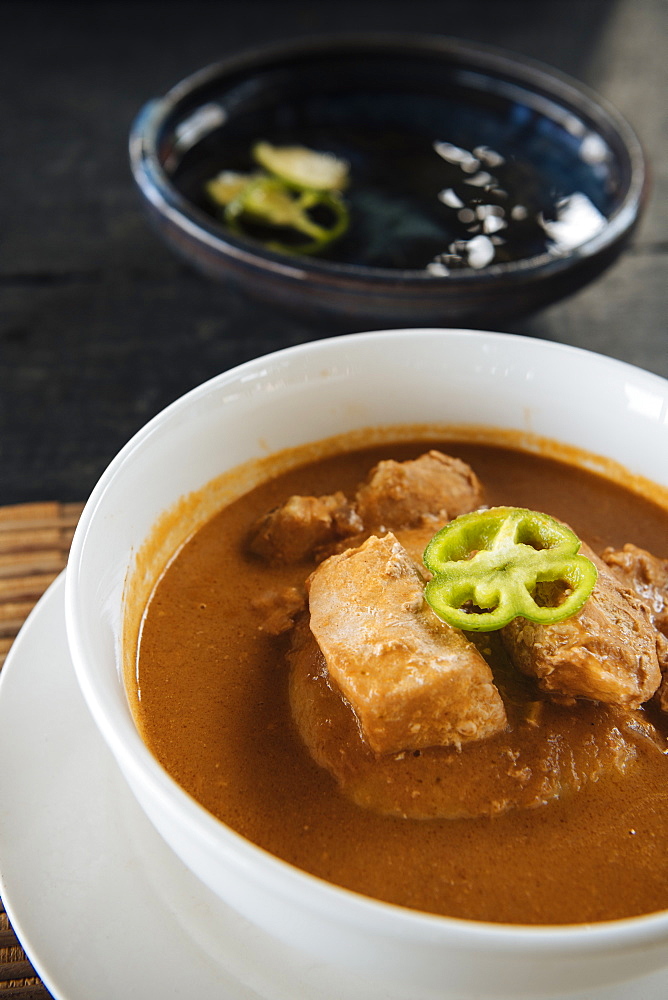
(34, 543)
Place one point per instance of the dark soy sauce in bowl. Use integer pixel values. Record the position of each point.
(482, 186)
(437, 182)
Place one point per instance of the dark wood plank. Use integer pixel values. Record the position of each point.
(10, 971)
(8, 938)
(29, 992)
(100, 327)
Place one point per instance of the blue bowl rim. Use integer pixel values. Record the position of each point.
(553, 85)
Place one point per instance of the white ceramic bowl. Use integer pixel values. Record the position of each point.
(287, 399)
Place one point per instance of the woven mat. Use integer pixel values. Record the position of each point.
(34, 542)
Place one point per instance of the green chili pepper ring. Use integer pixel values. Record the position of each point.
(494, 560)
(271, 202)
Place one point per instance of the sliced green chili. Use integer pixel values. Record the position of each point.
(227, 185)
(270, 203)
(301, 167)
(506, 562)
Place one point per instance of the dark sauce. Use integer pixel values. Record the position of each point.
(437, 183)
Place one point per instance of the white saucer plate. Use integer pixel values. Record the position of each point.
(102, 906)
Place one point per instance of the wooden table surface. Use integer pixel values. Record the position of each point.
(101, 327)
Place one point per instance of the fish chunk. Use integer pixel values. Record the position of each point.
(606, 652)
(423, 492)
(279, 608)
(547, 752)
(294, 531)
(399, 494)
(411, 680)
(647, 575)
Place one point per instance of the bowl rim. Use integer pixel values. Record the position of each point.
(260, 865)
(552, 85)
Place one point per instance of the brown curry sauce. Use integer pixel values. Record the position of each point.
(214, 710)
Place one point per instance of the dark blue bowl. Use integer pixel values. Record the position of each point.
(483, 186)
